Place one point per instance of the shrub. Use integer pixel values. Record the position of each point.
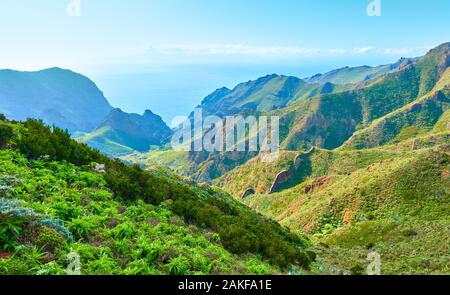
(14, 266)
(256, 267)
(179, 266)
(49, 239)
(81, 228)
(6, 133)
(10, 230)
(124, 231)
(38, 140)
(57, 225)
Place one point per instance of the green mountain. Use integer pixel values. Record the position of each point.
(410, 98)
(264, 94)
(57, 96)
(329, 120)
(352, 75)
(122, 133)
(56, 199)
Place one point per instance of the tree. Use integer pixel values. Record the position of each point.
(6, 133)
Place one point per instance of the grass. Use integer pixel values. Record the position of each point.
(102, 139)
(177, 161)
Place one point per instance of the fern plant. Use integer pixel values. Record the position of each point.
(9, 232)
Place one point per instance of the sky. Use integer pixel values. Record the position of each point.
(167, 54)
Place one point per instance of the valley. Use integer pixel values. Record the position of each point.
(363, 168)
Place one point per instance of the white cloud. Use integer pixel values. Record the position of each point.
(232, 49)
(363, 50)
(339, 51)
(396, 51)
(190, 51)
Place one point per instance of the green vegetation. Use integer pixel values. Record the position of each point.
(126, 220)
(112, 237)
(103, 139)
(396, 204)
(178, 161)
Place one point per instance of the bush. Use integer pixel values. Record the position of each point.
(14, 266)
(49, 239)
(6, 133)
(38, 140)
(179, 266)
(10, 230)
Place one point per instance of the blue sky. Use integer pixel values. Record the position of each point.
(114, 37)
(40, 33)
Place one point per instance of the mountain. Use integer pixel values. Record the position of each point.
(262, 95)
(57, 96)
(329, 120)
(274, 91)
(376, 179)
(408, 100)
(122, 133)
(363, 169)
(72, 101)
(352, 75)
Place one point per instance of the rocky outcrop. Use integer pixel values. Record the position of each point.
(247, 193)
(280, 179)
(285, 176)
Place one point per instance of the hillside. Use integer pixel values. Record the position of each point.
(413, 119)
(122, 133)
(57, 96)
(329, 120)
(123, 220)
(394, 201)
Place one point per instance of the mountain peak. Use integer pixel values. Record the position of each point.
(148, 113)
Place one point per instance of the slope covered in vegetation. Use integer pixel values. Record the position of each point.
(393, 201)
(124, 220)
